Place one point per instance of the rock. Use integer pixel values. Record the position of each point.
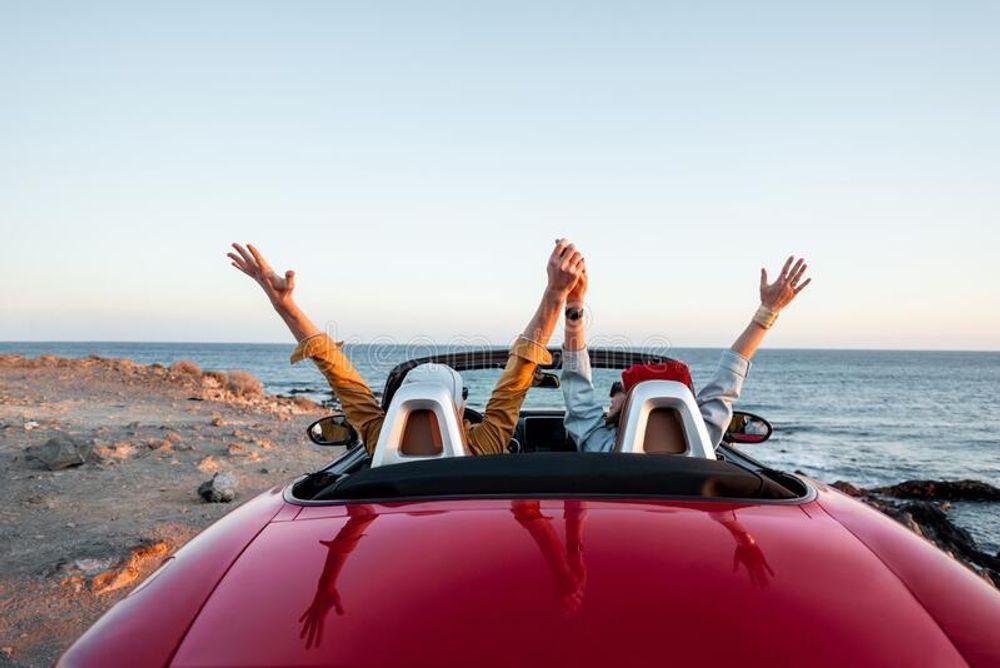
(236, 449)
(173, 437)
(217, 421)
(106, 574)
(305, 403)
(244, 384)
(848, 489)
(938, 529)
(59, 452)
(30, 424)
(103, 568)
(120, 451)
(213, 379)
(89, 566)
(208, 465)
(185, 367)
(928, 519)
(127, 571)
(945, 490)
(220, 489)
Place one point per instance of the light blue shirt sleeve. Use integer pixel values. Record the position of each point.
(717, 397)
(584, 421)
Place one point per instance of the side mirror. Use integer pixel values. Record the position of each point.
(332, 430)
(747, 428)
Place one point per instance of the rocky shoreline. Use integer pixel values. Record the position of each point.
(921, 505)
(109, 466)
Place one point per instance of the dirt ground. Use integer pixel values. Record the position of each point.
(74, 541)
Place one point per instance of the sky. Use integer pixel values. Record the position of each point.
(414, 161)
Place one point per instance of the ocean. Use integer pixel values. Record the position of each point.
(867, 417)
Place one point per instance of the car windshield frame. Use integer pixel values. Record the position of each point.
(496, 358)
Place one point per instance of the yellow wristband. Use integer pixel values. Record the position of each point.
(765, 317)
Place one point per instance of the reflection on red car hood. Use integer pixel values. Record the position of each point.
(575, 583)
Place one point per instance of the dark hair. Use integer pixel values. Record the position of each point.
(616, 387)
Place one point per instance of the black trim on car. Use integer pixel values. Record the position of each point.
(550, 475)
(496, 358)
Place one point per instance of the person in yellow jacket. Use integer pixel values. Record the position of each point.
(491, 436)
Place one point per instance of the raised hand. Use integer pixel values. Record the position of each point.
(277, 288)
(789, 283)
(565, 267)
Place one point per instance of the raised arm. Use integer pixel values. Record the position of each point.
(717, 397)
(584, 420)
(356, 399)
(500, 417)
(773, 298)
(575, 337)
(277, 288)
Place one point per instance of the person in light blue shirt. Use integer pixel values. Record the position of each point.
(594, 430)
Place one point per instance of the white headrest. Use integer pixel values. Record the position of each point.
(650, 395)
(419, 397)
(442, 374)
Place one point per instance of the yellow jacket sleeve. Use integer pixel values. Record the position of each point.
(490, 437)
(359, 405)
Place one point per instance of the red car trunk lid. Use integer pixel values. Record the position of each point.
(574, 583)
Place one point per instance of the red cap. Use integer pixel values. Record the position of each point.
(669, 370)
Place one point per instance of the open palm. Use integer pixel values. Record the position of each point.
(277, 288)
(789, 283)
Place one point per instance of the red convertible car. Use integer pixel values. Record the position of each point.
(422, 556)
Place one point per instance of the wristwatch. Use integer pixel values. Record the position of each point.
(573, 313)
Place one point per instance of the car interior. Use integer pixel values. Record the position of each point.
(662, 451)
